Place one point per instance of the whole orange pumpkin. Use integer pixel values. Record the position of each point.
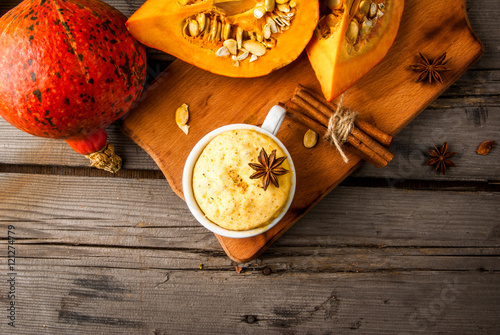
(67, 70)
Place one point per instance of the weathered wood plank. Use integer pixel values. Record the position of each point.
(464, 128)
(146, 213)
(156, 288)
(60, 299)
(297, 259)
(17, 147)
(482, 18)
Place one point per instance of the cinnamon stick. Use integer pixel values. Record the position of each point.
(304, 120)
(375, 133)
(317, 96)
(367, 140)
(366, 152)
(316, 104)
(311, 110)
(328, 109)
(370, 155)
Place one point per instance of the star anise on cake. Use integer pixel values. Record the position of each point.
(269, 168)
(441, 158)
(430, 70)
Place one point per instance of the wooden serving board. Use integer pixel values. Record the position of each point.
(388, 96)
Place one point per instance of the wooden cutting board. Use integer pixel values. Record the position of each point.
(388, 96)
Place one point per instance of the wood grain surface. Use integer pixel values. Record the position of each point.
(99, 258)
(388, 97)
(399, 250)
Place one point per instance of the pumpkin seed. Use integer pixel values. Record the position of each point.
(259, 12)
(219, 30)
(239, 36)
(222, 52)
(185, 129)
(269, 5)
(267, 31)
(236, 64)
(253, 58)
(254, 47)
(331, 20)
(285, 20)
(207, 27)
(182, 117)
(272, 26)
(284, 16)
(352, 32)
(364, 7)
(292, 4)
(194, 28)
(281, 2)
(243, 56)
(310, 138)
(202, 20)
(213, 30)
(333, 4)
(366, 27)
(373, 9)
(278, 21)
(231, 45)
(283, 8)
(226, 31)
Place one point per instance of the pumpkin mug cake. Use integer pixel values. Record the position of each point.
(239, 180)
(242, 179)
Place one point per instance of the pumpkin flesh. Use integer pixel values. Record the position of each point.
(164, 25)
(339, 59)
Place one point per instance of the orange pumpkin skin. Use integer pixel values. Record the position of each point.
(159, 24)
(338, 65)
(68, 69)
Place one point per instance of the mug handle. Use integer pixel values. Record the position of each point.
(273, 120)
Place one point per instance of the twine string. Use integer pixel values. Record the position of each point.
(340, 126)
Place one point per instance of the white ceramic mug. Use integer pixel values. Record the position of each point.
(270, 127)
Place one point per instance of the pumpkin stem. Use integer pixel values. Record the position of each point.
(106, 159)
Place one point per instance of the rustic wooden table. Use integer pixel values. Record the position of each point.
(394, 250)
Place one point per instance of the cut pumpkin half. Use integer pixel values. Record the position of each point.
(244, 38)
(352, 37)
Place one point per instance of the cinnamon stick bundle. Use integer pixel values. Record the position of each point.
(313, 111)
(328, 109)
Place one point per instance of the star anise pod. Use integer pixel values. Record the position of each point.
(430, 70)
(441, 158)
(269, 168)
